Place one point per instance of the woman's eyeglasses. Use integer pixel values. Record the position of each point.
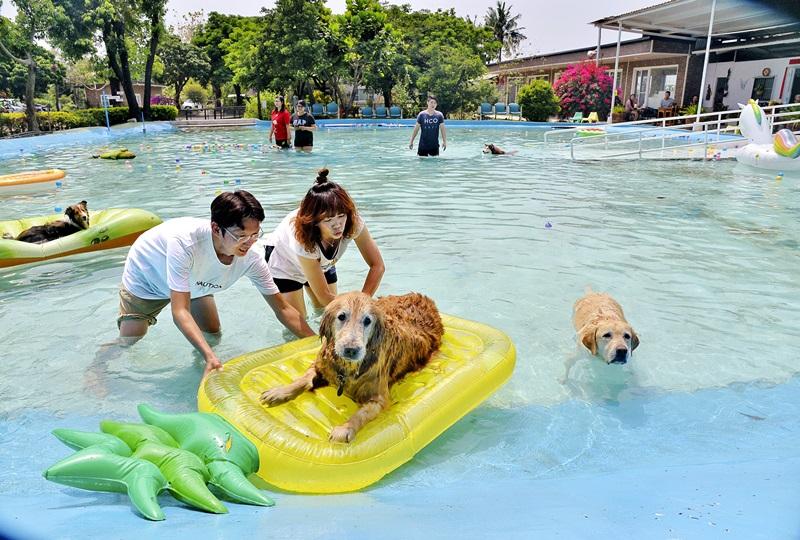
(242, 238)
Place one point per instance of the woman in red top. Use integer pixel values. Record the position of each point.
(280, 120)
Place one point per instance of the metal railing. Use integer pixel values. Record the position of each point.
(213, 112)
(715, 130)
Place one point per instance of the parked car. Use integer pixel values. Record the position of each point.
(11, 105)
(190, 105)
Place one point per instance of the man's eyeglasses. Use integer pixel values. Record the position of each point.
(242, 238)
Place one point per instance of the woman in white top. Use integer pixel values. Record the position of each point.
(303, 250)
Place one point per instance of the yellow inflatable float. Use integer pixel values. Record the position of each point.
(29, 181)
(114, 227)
(292, 438)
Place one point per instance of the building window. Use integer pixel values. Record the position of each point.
(762, 88)
(649, 85)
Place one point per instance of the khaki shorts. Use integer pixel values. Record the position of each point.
(134, 308)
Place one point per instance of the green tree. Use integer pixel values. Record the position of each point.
(33, 21)
(210, 38)
(454, 78)
(538, 101)
(505, 28)
(434, 43)
(182, 61)
(154, 11)
(297, 40)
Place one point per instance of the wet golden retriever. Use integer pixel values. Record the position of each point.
(602, 328)
(367, 345)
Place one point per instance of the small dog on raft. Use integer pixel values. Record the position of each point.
(602, 329)
(367, 345)
(496, 150)
(76, 218)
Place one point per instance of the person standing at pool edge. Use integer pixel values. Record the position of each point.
(430, 121)
(185, 261)
(281, 120)
(304, 248)
(304, 125)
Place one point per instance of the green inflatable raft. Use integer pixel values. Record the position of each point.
(110, 228)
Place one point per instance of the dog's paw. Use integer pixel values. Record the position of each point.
(276, 396)
(343, 434)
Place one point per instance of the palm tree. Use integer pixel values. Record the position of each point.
(505, 28)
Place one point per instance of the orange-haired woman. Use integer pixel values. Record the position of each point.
(303, 250)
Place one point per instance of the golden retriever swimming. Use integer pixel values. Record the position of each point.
(367, 345)
(602, 328)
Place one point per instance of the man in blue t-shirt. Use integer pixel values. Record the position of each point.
(430, 121)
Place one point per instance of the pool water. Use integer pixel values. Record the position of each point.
(703, 256)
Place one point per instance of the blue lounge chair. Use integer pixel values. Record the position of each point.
(317, 110)
(395, 112)
(499, 108)
(380, 112)
(514, 110)
(332, 109)
(485, 111)
(366, 112)
(577, 118)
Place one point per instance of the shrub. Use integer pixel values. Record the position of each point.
(251, 105)
(538, 101)
(163, 112)
(195, 92)
(586, 88)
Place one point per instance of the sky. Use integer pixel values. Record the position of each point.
(549, 25)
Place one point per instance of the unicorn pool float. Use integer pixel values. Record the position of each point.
(780, 152)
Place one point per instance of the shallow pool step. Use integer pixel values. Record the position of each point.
(199, 123)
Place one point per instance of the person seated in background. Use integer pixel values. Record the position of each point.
(667, 102)
(667, 106)
(631, 108)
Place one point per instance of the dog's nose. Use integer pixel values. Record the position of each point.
(351, 352)
(620, 357)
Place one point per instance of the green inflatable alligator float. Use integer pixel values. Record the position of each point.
(119, 153)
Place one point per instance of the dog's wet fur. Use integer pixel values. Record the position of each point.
(367, 345)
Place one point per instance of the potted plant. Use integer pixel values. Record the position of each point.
(690, 110)
(618, 114)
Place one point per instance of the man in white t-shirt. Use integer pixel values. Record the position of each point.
(185, 261)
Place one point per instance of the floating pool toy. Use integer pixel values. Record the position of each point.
(176, 452)
(590, 132)
(780, 152)
(292, 438)
(111, 228)
(119, 153)
(30, 181)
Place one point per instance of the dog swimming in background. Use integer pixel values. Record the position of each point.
(76, 218)
(602, 329)
(495, 150)
(367, 345)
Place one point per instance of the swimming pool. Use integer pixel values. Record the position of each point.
(693, 438)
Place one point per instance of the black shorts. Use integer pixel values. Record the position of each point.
(290, 285)
(428, 151)
(283, 143)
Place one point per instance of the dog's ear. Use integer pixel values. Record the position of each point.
(374, 344)
(83, 203)
(588, 337)
(634, 340)
(326, 324)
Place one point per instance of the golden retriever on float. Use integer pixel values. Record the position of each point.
(602, 329)
(367, 345)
